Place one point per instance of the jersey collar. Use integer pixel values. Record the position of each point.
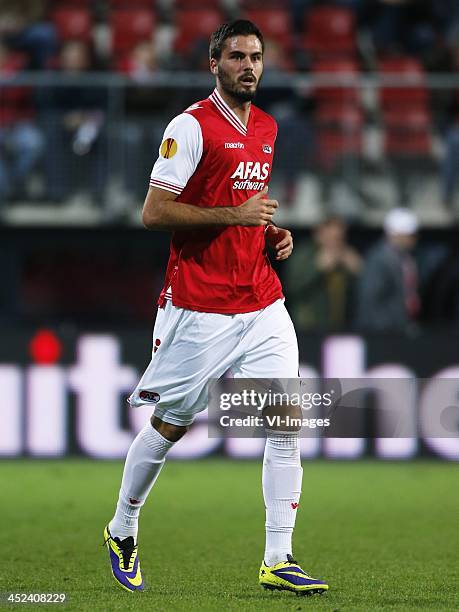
(227, 113)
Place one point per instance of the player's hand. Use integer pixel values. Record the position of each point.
(257, 210)
(280, 240)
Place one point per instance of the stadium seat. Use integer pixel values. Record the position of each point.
(130, 27)
(334, 144)
(274, 23)
(342, 69)
(346, 118)
(405, 109)
(411, 72)
(330, 31)
(407, 132)
(193, 25)
(73, 23)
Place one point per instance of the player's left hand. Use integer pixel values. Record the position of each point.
(280, 240)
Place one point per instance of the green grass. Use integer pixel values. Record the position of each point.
(385, 535)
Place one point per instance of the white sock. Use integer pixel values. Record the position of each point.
(282, 476)
(144, 462)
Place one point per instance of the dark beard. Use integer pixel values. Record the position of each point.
(233, 90)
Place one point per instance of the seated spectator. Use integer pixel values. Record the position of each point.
(141, 63)
(148, 110)
(21, 142)
(388, 298)
(410, 26)
(291, 108)
(75, 124)
(321, 276)
(23, 27)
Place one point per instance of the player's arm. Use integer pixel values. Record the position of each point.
(179, 155)
(162, 212)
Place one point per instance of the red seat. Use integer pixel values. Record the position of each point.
(403, 145)
(407, 132)
(410, 88)
(73, 23)
(193, 25)
(407, 119)
(345, 71)
(347, 118)
(130, 27)
(334, 144)
(274, 23)
(405, 109)
(330, 31)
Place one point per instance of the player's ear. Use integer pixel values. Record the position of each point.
(213, 66)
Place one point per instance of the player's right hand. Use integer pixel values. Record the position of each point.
(257, 210)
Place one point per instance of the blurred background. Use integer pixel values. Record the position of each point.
(366, 95)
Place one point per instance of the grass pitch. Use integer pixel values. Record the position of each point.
(385, 536)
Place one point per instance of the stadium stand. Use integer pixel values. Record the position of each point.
(338, 115)
(73, 23)
(275, 23)
(330, 31)
(130, 27)
(405, 109)
(193, 26)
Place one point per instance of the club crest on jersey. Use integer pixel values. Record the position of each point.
(149, 396)
(267, 149)
(168, 148)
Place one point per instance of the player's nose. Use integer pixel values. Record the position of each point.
(247, 63)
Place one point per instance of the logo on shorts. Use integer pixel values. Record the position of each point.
(168, 148)
(294, 506)
(149, 396)
(267, 149)
(157, 345)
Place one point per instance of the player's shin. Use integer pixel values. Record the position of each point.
(282, 477)
(144, 462)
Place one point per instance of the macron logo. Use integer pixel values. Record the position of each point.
(234, 145)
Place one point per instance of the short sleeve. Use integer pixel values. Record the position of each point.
(179, 154)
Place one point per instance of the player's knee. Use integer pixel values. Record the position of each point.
(283, 418)
(173, 433)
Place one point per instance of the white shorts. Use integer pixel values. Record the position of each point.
(192, 347)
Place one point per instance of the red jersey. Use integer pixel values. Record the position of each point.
(209, 158)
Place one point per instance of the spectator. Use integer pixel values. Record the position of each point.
(21, 142)
(148, 107)
(388, 290)
(292, 109)
(409, 26)
(75, 124)
(321, 279)
(23, 28)
(141, 63)
(450, 162)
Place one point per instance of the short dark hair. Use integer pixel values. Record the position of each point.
(239, 27)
